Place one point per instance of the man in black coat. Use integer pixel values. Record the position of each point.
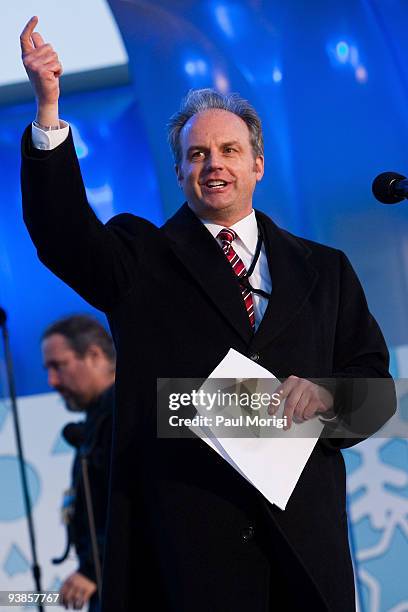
(186, 531)
(79, 356)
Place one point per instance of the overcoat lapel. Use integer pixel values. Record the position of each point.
(197, 250)
(293, 277)
(293, 280)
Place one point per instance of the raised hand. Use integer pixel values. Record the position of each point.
(44, 70)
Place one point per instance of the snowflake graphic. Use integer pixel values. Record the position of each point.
(378, 508)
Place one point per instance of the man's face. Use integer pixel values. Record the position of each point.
(218, 172)
(68, 373)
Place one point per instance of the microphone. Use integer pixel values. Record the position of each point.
(74, 434)
(3, 316)
(390, 187)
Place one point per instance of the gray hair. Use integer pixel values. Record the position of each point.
(199, 100)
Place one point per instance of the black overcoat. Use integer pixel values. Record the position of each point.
(186, 532)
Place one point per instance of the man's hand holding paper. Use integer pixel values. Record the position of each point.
(303, 400)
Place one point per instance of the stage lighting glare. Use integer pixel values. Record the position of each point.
(277, 75)
(354, 57)
(342, 51)
(221, 83)
(81, 147)
(195, 67)
(224, 21)
(361, 74)
(189, 67)
(201, 67)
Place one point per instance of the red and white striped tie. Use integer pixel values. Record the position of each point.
(226, 236)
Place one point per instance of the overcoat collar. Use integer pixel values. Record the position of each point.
(293, 278)
(203, 257)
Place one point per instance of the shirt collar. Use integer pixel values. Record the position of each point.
(246, 229)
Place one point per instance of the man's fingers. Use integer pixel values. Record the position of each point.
(300, 407)
(37, 39)
(273, 409)
(77, 590)
(284, 390)
(72, 597)
(78, 602)
(290, 405)
(25, 37)
(286, 387)
(310, 411)
(43, 50)
(40, 56)
(44, 62)
(53, 67)
(303, 399)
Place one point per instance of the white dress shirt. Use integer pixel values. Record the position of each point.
(245, 246)
(46, 141)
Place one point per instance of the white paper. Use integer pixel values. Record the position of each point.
(272, 464)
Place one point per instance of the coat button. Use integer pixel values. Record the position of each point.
(247, 534)
(254, 356)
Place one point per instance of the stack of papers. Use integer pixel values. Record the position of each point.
(273, 463)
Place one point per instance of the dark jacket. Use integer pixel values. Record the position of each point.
(186, 532)
(96, 447)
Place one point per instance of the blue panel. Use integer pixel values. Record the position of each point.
(119, 175)
(12, 505)
(330, 81)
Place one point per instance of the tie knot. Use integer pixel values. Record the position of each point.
(227, 235)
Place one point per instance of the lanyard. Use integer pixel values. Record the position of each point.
(244, 279)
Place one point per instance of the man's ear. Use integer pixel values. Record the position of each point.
(259, 167)
(179, 175)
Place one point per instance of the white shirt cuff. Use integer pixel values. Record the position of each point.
(49, 140)
(328, 419)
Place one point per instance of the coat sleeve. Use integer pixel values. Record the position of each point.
(364, 398)
(92, 258)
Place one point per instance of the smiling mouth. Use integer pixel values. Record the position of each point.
(215, 184)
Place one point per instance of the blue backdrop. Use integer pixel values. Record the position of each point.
(330, 81)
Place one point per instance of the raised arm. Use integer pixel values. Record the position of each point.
(44, 70)
(97, 261)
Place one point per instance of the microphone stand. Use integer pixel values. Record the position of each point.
(36, 570)
(91, 523)
(83, 451)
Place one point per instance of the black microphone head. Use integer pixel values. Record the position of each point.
(3, 316)
(383, 187)
(74, 434)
